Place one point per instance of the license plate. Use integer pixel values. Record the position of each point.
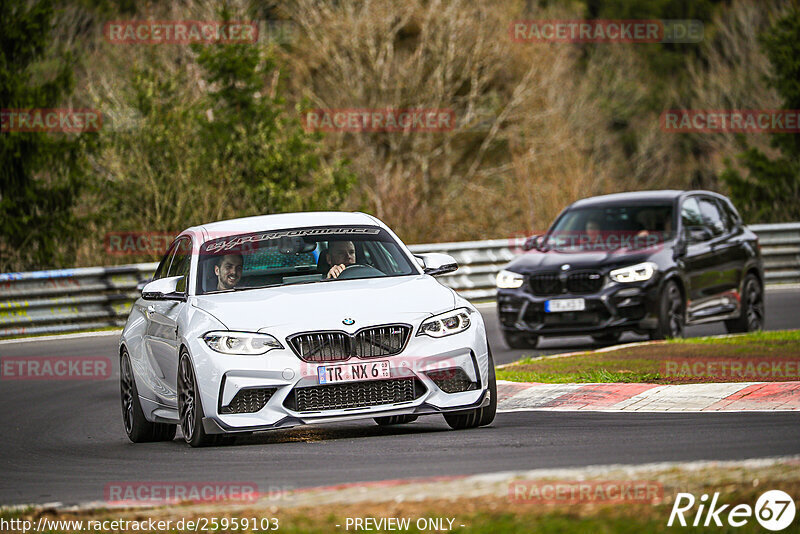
(564, 305)
(352, 372)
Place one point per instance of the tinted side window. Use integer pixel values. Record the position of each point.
(163, 267)
(733, 215)
(727, 220)
(712, 216)
(181, 262)
(690, 214)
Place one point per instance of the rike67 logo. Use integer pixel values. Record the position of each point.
(774, 510)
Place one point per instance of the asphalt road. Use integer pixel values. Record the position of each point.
(63, 441)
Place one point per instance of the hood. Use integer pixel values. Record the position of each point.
(323, 305)
(552, 260)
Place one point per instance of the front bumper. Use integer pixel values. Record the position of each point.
(280, 374)
(615, 307)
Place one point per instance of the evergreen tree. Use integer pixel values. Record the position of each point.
(41, 174)
(771, 191)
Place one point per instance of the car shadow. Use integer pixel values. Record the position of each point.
(331, 432)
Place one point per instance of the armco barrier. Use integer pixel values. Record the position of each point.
(77, 299)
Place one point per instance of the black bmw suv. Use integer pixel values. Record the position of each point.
(650, 262)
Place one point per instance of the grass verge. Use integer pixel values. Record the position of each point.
(672, 362)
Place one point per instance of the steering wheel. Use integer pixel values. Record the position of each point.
(358, 270)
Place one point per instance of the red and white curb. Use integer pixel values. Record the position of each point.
(723, 397)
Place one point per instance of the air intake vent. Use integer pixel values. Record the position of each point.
(453, 380)
(250, 400)
(354, 394)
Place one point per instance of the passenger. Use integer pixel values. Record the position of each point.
(229, 271)
(593, 229)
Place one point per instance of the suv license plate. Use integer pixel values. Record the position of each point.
(352, 372)
(564, 305)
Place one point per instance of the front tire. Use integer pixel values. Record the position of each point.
(190, 407)
(137, 427)
(751, 318)
(671, 313)
(478, 416)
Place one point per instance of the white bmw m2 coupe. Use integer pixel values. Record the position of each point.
(281, 320)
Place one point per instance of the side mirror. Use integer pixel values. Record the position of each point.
(163, 289)
(532, 243)
(435, 263)
(698, 234)
(141, 283)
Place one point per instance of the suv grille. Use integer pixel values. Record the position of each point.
(371, 342)
(545, 284)
(552, 284)
(354, 394)
(584, 282)
(248, 400)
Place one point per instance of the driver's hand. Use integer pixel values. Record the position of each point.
(336, 270)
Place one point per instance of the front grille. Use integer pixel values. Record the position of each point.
(584, 318)
(584, 282)
(545, 284)
(249, 400)
(322, 346)
(452, 380)
(354, 394)
(380, 341)
(372, 342)
(594, 314)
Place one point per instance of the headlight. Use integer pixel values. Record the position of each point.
(635, 273)
(246, 343)
(446, 324)
(509, 280)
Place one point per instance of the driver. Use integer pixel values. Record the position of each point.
(341, 254)
(229, 271)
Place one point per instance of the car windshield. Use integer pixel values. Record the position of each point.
(298, 256)
(608, 228)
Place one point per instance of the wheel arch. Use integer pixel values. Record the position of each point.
(674, 276)
(753, 269)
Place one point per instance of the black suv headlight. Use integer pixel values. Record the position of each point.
(635, 273)
(509, 279)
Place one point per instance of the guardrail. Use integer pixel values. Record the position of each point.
(94, 297)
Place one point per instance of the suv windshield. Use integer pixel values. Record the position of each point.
(604, 228)
(298, 256)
